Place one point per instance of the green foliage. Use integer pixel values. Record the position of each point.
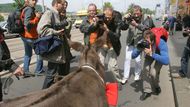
(144, 10)
(1, 18)
(107, 4)
(147, 11)
(10, 7)
(19, 3)
(130, 9)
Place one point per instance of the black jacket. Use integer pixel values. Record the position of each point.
(114, 36)
(6, 63)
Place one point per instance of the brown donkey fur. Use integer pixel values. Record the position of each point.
(81, 88)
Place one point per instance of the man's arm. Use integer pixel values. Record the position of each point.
(6, 63)
(135, 53)
(28, 21)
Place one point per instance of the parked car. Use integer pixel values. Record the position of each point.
(7, 33)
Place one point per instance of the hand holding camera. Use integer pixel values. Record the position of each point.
(133, 20)
(142, 44)
(148, 51)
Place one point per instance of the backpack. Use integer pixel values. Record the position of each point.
(14, 22)
(160, 33)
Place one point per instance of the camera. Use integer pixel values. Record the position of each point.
(101, 18)
(142, 44)
(186, 32)
(61, 25)
(131, 18)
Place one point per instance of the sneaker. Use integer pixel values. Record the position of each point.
(124, 81)
(40, 73)
(144, 96)
(157, 91)
(137, 78)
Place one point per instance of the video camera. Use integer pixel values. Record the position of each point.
(61, 25)
(101, 18)
(131, 18)
(186, 32)
(142, 44)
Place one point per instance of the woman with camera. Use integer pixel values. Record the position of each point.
(156, 55)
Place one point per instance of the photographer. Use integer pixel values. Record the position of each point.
(6, 63)
(186, 52)
(51, 24)
(135, 31)
(156, 55)
(111, 50)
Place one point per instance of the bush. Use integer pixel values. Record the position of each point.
(1, 18)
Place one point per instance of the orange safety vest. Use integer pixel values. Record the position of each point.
(93, 36)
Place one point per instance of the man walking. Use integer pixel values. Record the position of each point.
(59, 60)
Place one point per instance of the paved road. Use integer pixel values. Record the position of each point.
(128, 96)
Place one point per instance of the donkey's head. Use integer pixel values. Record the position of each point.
(89, 55)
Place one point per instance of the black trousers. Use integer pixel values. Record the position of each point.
(1, 91)
(53, 68)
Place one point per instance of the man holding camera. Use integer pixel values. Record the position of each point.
(51, 24)
(156, 55)
(89, 25)
(112, 46)
(135, 31)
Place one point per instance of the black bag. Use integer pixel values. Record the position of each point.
(14, 22)
(47, 44)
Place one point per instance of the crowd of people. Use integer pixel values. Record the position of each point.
(145, 43)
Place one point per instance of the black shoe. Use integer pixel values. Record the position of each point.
(157, 91)
(72, 57)
(181, 74)
(144, 96)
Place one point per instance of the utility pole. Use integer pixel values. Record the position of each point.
(102, 5)
(177, 2)
(43, 6)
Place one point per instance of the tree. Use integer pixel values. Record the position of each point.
(144, 10)
(19, 3)
(107, 4)
(1, 18)
(129, 10)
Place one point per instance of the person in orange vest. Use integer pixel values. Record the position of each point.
(30, 20)
(89, 25)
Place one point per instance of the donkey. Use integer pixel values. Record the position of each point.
(84, 87)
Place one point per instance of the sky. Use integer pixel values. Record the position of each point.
(120, 5)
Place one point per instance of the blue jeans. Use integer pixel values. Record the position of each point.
(184, 60)
(28, 46)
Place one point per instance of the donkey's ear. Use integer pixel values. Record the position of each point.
(76, 46)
